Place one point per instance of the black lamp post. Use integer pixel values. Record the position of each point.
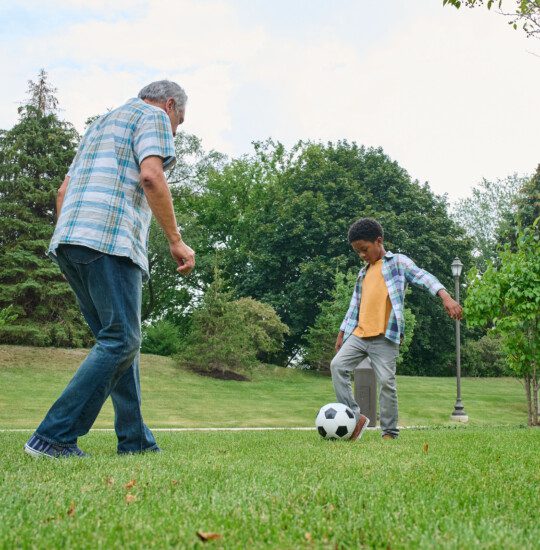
(459, 414)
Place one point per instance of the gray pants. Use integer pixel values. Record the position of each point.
(383, 354)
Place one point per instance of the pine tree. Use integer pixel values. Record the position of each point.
(34, 157)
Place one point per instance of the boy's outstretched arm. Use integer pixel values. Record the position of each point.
(422, 278)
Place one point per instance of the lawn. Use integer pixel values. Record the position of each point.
(31, 378)
(432, 488)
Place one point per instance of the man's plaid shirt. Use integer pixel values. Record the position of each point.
(397, 270)
(104, 206)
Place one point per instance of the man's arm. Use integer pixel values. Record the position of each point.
(159, 199)
(60, 196)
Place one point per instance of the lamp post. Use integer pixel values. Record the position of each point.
(459, 414)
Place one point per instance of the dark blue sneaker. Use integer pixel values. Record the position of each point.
(36, 446)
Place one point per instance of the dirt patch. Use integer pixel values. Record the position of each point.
(222, 375)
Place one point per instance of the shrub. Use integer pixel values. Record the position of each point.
(161, 338)
(230, 335)
(484, 357)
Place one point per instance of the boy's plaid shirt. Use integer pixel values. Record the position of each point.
(397, 270)
(104, 206)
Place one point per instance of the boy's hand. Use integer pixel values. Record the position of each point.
(339, 340)
(454, 310)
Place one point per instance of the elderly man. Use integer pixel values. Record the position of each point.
(104, 206)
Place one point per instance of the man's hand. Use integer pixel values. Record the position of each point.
(339, 340)
(184, 257)
(453, 309)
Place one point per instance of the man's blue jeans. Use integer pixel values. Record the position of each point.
(108, 289)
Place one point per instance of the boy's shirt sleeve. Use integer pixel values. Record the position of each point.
(351, 310)
(420, 277)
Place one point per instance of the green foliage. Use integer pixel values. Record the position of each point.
(482, 214)
(484, 357)
(34, 158)
(525, 209)
(507, 297)
(526, 13)
(7, 316)
(321, 337)
(161, 338)
(166, 294)
(405, 361)
(280, 218)
(231, 335)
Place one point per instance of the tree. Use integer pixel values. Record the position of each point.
(507, 298)
(34, 158)
(230, 335)
(526, 13)
(482, 214)
(41, 95)
(525, 209)
(280, 219)
(321, 336)
(165, 295)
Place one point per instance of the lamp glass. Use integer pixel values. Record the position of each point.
(456, 267)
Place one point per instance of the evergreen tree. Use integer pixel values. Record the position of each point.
(34, 157)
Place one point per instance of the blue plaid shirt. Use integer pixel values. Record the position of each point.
(104, 206)
(397, 270)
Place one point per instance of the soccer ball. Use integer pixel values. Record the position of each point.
(335, 421)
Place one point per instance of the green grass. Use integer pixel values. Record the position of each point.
(436, 488)
(31, 378)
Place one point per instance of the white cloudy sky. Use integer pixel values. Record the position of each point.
(451, 95)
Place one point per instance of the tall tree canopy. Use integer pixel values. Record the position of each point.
(485, 212)
(34, 157)
(278, 221)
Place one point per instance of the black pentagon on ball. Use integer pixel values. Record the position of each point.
(322, 431)
(341, 431)
(349, 413)
(330, 413)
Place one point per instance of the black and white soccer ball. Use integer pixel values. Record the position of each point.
(335, 421)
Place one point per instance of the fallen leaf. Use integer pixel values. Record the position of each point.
(174, 482)
(130, 484)
(130, 498)
(109, 480)
(208, 536)
(71, 511)
(307, 536)
(425, 448)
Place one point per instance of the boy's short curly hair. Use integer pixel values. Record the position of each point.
(365, 229)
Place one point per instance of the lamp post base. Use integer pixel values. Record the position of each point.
(461, 417)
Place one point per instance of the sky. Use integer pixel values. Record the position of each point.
(451, 95)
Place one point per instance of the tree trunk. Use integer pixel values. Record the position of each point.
(527, 379)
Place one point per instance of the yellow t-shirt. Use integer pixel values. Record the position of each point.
(375, 305)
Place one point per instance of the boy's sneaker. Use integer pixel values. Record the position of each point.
(361, 425)
(37, 447)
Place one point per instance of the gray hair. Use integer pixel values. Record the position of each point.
(162, 90)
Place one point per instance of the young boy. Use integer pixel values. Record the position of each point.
(374, 324)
